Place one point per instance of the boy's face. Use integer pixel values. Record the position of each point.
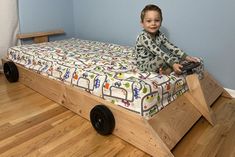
(152, 21)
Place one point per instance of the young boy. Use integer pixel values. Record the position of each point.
(149, 55)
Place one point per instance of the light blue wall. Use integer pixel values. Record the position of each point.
(107, 20)
(200, 28)
(45, 15)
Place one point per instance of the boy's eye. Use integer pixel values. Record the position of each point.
(149, 21)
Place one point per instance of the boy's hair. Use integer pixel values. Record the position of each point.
(150, 7)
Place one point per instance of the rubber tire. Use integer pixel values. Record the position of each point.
(11, 71)
(102, 119)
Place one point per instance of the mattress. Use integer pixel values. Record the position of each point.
(102, 69)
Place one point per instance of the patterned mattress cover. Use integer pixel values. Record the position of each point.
(103, 69)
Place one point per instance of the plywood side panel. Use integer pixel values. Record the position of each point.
(174, 121)
(130, 126)
(202, 96)
(211, 89)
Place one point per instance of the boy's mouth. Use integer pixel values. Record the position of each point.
(153, 28)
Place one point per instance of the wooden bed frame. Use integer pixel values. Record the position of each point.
(156, 136)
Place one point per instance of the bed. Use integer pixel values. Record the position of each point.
(99, 80)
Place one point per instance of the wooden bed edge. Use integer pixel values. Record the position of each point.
(203, 93)
(224, 92)
(175, 120)
(39, 37)
(198, 99)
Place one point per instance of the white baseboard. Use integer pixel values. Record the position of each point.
(231, 92)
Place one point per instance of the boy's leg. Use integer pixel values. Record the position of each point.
(167, 71)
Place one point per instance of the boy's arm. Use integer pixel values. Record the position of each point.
(172, 48)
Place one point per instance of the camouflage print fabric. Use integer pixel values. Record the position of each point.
(150, 56)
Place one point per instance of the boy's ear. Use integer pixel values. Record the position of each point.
(141, 23)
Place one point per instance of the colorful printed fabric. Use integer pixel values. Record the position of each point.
(105, 70)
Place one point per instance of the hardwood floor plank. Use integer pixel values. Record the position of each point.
(227, 148)
(203, 140)
(45, 138)
(31, 132)
(31, 122)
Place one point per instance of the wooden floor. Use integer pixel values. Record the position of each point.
(32, 125)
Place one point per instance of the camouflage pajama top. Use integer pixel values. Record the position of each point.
(150, 56)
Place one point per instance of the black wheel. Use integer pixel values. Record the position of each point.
(11, 71)
(102, 120)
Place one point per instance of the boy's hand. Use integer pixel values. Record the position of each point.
(192, 59)
(177, 68)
